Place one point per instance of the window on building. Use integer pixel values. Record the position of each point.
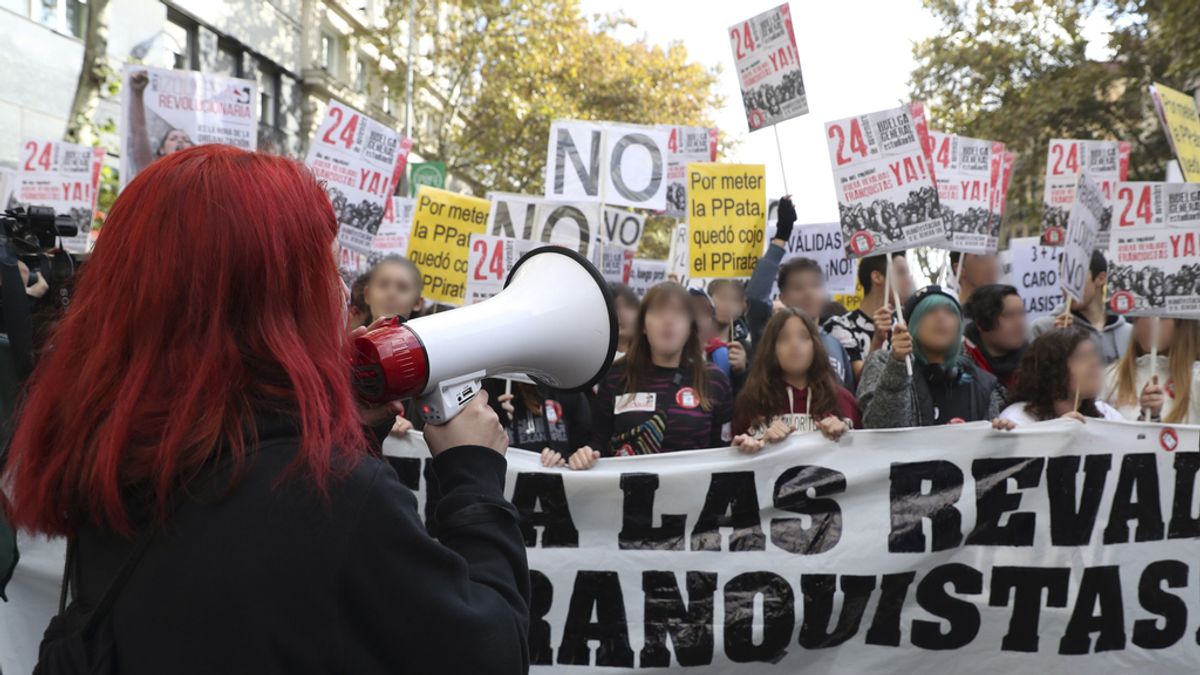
(228, 59)
(360, 74)
(182, 40)
(330, 46)
(65, 16)
(268, 96)
(386, 103)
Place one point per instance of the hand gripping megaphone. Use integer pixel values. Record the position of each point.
(554, 321)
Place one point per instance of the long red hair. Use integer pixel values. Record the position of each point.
(211, 296)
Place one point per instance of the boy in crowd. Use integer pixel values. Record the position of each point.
(801, 285)
(1109, 331)
(866, 329)
(977, 270)
(995, 336)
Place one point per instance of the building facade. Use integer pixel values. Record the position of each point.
(301, 53)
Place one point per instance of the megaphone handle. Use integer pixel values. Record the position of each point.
(449, 398)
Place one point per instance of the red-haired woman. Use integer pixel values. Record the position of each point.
(193, 423)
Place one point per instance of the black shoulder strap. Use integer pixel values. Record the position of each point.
(104, 606)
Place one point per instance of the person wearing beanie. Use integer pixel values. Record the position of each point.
(946, 387)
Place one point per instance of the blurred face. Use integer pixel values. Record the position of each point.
(1093, 286)
(1087, 373)
(706, 325)
(938, 330)
(794, 349)
(980, 270)
(626, 319)
(1142, 328)
(175, 140)
(667, 327)
(1009, 332)
(730, 304)
(392, 291)
(805, 291)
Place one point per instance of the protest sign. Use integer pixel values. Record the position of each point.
(360, 161)
(490, 260)
(887, 198)
(442, 227)
(392, 236)
(966, 177)
(575, 225)
(726, 219)
(1083, 228)
(645, 274)
(623, 227)
(1105, 163)
(768, 68)
(1181, 121)
(432, 174)
(677, 256)
(1059, 547)
(821, 242)
(1002, 177)
(614, 263)
(169, 110)
(1034, 273)
(686, 145)
(61, 176)
(605, 162)
(1153, 263)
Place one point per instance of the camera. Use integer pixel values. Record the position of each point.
(35, 231)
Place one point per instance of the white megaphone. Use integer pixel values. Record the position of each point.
(554, 321)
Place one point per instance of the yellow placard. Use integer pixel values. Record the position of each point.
(727, 218)
(441, 232)
(1183, 125)
(850, 302)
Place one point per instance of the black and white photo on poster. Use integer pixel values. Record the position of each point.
(1153, 263)
(1105, 162)
(966, 176)
(686, 145)
(768, 66)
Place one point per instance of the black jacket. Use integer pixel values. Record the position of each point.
(271, 578)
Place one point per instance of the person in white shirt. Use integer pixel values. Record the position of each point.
(1060, 376)
(1158, 391)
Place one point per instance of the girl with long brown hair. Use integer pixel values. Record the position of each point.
(791, 387)
(1060, 376)
(1161, 390)
(661, 396)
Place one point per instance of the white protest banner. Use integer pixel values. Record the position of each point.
(1034, 273)
(615, 263)
(1153, 263)
(768, 68)
(1105, 162)
(645, 274)
(1056, 548)
(511, 215)
(490, 260)
(360, 161)
(61, 176)
(168, 110)
(677, 256)
(392, 236)
(887, 197)
(821, 242)
(623, 227)
(1083, 228)
(686, 145)
(619, 164)
(966, 176)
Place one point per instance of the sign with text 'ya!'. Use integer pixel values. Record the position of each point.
(1153, 259)
(1059, 547)
(441, 232)
(726, 219)
(61, 176)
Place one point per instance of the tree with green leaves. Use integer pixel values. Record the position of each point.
(504, 71)
(1017, 71)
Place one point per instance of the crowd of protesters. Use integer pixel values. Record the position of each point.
(730, 365)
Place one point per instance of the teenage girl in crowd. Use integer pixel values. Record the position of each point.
(555, 423)
(791, 387)
(662, 396)
(1142, 390)
(626, 302)
(393, 288)
(1060, 376)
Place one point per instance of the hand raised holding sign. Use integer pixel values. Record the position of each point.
(883, 325)
(1151, 399)
(902, 343)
